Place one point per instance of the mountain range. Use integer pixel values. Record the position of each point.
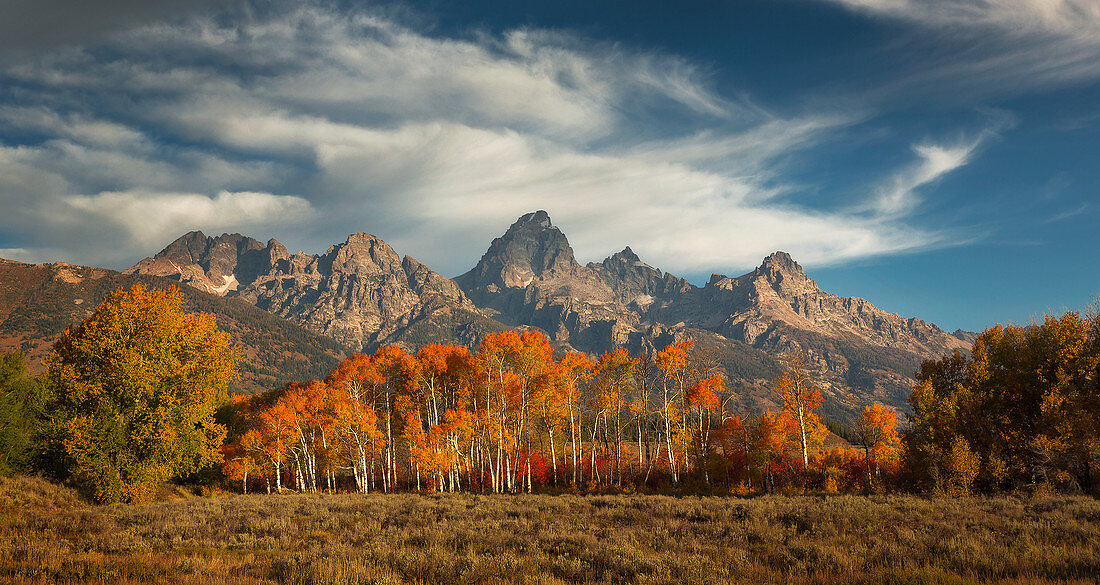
(362, 294)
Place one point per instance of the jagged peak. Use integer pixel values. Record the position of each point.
(782, 262)
(186, 240)
(200, 235)
(360, 253)
(774, 266)
(627, 254)
(363, 242)
(543, 245)
(412, 265)
(533, 228)
(531, 247)
(193, 240)
(628, 258)
(535, 219)
(362, 238)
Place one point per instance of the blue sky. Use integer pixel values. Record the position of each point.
(937, 157)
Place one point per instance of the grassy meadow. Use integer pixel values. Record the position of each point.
(48, 534)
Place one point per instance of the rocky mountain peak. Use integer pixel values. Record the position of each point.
(781, 263)
(215, 265)
(625, 267)
(626, 255)
(274, 253)
(361, 253)
(778, 270)
(188, 245)
(627, 259)
(359, 292)
(781, 273)
(635, 282)
(534, 244)
(535, 219)
(531, 248)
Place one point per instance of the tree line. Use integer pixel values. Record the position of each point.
(1022, 411)
(135, 395)
(516, 416)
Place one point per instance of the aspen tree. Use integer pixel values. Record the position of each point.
(876, 429)
(672, 361)
(801, 398)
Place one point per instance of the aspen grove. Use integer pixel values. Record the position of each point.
(513, 417)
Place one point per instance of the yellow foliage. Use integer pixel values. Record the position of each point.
(133, 390)
(961, 467)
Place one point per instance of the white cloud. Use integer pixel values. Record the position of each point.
(80, 129)
(136, 201)
(1066, 17)
(1068, 213)
(998, 46)
(435, 144)
(899, 195)
(18, 254)
(147, 217)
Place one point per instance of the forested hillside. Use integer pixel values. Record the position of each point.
(38, 301)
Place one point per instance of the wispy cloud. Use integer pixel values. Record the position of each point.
(19, 255)
(997, 46)
(1068, 213)
(934, 162)
(146, 217)
(900, 194)
(1064, 17)
(305, 125)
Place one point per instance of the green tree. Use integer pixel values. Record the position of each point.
(15, 391)
(130, 394)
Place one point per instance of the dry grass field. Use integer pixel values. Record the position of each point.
(49, 535)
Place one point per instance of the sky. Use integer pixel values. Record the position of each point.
(937, 157)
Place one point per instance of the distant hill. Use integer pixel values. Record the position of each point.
(38, 301)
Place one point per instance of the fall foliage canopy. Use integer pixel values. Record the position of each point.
(1023, 410)
(130, 394)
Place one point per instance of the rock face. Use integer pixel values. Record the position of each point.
(529, 277)
(215, 265)
(360, 292)
(778, 291)
(635, 283)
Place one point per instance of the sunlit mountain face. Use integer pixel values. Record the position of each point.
(362, 294)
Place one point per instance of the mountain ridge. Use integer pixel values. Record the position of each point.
(364, 294)
(359, 292)
(774, 308)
